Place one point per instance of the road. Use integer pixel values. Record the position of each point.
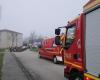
(41, 69)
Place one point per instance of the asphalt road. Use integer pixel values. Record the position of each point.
(41, 69)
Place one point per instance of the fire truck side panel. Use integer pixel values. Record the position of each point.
(93, 42)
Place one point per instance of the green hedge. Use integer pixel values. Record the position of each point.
(34, 49)
(1, 63)
(2, 50)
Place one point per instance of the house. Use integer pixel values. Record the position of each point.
(10, 38)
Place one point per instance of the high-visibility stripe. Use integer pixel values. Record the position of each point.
(62, 37)
(66, 62)
(90, 76)
(61, 50)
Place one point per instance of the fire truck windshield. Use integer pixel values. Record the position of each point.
(70, 36)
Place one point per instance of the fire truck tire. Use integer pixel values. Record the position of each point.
(55, 59)
(75, 76)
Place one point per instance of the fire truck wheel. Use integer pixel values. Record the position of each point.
(55, 60)
(75, 76)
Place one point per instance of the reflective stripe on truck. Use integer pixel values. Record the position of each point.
(75, 65)
(89, 77)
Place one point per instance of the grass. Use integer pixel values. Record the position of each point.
(2, 50)
(1, 63)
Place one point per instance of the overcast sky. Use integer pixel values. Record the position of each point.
(41, 16)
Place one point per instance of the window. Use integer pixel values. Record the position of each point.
(70, 36)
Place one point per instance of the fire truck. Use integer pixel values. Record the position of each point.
(82, 44)
(50, 50)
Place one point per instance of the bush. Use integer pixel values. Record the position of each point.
(1, 63)
(34, 49)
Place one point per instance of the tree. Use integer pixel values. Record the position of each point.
(32, 37)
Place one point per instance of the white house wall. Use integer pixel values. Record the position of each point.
(10, 39)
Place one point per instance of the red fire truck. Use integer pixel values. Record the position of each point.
(51, 51)
(82, 44)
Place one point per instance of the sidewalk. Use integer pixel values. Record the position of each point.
(11, 70)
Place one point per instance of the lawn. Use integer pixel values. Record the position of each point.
(1, 63)
(2, 50)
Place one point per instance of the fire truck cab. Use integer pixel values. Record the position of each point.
(73, 52)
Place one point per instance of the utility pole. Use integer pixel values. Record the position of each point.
(0, 11)
(16, 39)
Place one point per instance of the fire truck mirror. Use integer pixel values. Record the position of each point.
(57, 40)
(76, 56)
(57, 31)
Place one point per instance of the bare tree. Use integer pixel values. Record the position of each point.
(32, 37)
(40, 38)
